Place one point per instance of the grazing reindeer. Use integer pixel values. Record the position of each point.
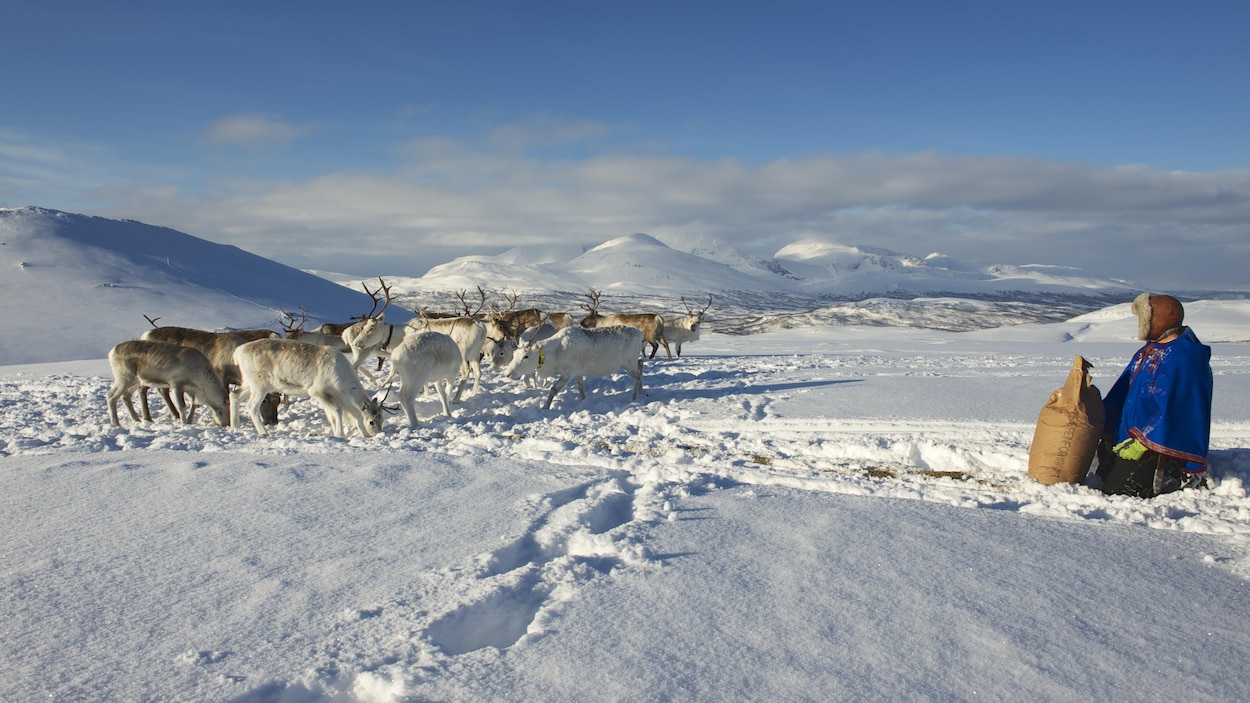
(291, 367)
(424, 357)
(501, 352)
(498, 347)
(219, 348)
(514, 321)
(651, 325)
(685, 328)
(576, 352)
(143, 363)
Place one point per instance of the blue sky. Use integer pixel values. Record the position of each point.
(387, 137)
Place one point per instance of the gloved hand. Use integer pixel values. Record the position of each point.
(1131, 450)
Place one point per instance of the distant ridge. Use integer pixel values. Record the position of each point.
(640, 264)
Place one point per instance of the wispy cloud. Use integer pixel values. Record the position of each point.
(254, 130)
(544, 131)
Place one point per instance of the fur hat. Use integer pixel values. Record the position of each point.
(1157, 316)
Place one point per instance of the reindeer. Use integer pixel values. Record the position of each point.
(218, 348)
(469, 334)
(651, 325)
(140, 364)
(372, 335)
(561, 319)
(296, 368)
(252, 335)
(513, 321)
(502, 351)
(424, 357)
(685, 328)
(576, 352)
(329, 334)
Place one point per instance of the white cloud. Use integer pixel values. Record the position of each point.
(253, 130)
(451, 197)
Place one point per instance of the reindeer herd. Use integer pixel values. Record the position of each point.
(259, 369)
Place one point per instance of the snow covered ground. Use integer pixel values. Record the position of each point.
(835, 513)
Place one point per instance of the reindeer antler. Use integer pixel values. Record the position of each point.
(468, 311)
(593, 307)
(291, 325)
(152, 320)
(385, 290)
(691, 310)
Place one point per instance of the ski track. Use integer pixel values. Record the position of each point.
(652, 454)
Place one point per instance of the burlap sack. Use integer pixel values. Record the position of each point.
(1068, 428)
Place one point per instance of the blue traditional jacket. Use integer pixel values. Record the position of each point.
(1163, 400)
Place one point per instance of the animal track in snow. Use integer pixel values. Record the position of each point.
(577, 534)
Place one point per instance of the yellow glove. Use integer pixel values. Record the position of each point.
(1131, 450)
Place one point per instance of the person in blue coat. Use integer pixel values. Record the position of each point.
(1158, 413)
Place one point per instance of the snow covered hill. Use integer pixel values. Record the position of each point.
(64, 279)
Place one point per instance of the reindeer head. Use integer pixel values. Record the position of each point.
(592, 309)
(292, 326)
(696, 318)
(373, 409)
(370, 323)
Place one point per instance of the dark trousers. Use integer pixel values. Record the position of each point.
(1147, 477)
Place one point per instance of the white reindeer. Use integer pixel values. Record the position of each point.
(503, 351)
(143, 363)
(424, 357)
(685, 328)
(497, 338)
(469, 334)
(297, 368)
(577, 352)
(372, 335)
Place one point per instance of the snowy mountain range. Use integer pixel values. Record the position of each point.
(806, 283)
(642, 264)
(62, 272)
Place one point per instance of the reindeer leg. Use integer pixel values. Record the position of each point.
(555, 388)
(408, 401)
(169, 403)
(637, 374)
(143, 401)
(178, 398)
(442, 387)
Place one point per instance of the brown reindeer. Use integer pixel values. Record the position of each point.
(218, 348)
(512, 321)
(140, 364)
(651, 325)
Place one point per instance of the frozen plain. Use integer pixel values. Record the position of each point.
(837, 513)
